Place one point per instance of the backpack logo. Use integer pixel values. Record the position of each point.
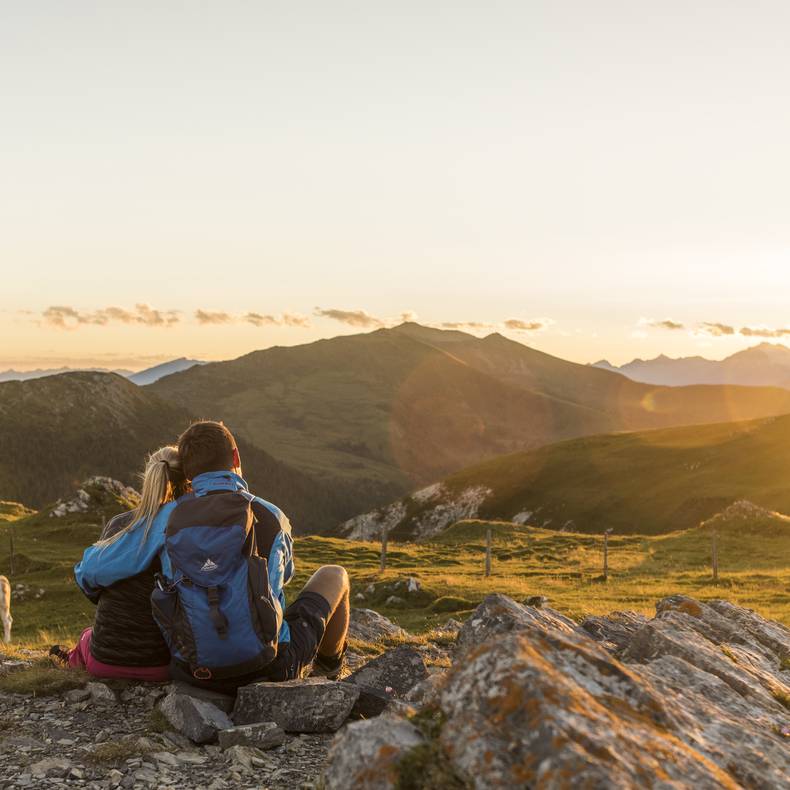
(209, 565)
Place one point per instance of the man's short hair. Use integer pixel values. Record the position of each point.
(206, 446)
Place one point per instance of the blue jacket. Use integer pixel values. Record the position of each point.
(129, 555)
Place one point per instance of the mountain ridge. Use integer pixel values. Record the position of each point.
(766, 364)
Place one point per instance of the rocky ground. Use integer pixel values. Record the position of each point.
(697, 696)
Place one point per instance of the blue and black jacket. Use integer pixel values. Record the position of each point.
(129, 555)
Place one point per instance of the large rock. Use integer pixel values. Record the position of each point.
(368, 625)
(396, 671)
(499, 615)
(700, 699)
(312, 705)
(198, 720)
(536, 707)
(366, 754)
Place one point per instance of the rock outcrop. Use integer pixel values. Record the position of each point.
(700, 696)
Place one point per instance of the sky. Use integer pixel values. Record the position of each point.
(607, 179)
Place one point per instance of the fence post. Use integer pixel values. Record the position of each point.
(488, 552)
(606, 554)
(715, 556)
(383, 550)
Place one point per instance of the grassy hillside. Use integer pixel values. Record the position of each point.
(59, 430)
(649, 482)
(754, 569)
(400, 407)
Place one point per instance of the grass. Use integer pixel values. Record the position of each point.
(527, 561)
(43, 679)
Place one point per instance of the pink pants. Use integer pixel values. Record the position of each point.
(81, 658)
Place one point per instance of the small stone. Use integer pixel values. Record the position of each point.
(368, 625)
(114, 777)
(50, 767)
(101, 694)
(166, 758)
(77, 695)
(394, 600)
(263, 735)
(196, 719)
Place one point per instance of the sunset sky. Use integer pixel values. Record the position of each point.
(204, 180)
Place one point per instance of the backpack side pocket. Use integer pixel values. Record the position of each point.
(267, 614)
(174, 625)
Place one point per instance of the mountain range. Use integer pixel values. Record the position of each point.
(337, 427)
(147, 376)
(397, 408)
(647, 483)
(57, 431)
(765, 365)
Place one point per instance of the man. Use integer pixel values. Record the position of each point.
(314, 626)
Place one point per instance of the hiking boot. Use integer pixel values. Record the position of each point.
(331, 668)
(60, 653)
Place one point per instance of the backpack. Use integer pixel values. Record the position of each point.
(217, 612)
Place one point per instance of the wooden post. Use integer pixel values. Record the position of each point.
(606, 554)
(715, 556)
(488, 553)
(383, 550)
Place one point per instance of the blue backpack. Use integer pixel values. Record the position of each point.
(217, 613)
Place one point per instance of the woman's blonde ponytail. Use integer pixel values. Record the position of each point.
(156, 490)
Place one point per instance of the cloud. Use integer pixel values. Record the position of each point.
(758, 331)
(66, 317)
(207, 317)
(351, 317)
(286, 319)
(534, 325)
(715, 329)
(408, 316)
(668, 323)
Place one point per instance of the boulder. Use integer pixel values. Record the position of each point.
(395, 671)
(366, 754)
(370, 626)
(262, 735)
(312, 705)
(498, 615)
(198, 720)
(222, 701)
(538, 706)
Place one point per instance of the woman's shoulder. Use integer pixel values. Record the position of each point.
(116, 524)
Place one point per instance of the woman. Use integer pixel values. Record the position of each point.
(119, 576)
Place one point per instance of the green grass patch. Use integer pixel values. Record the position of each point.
(560, 566)
(43, 679)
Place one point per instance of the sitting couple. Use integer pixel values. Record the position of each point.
(189, 585)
